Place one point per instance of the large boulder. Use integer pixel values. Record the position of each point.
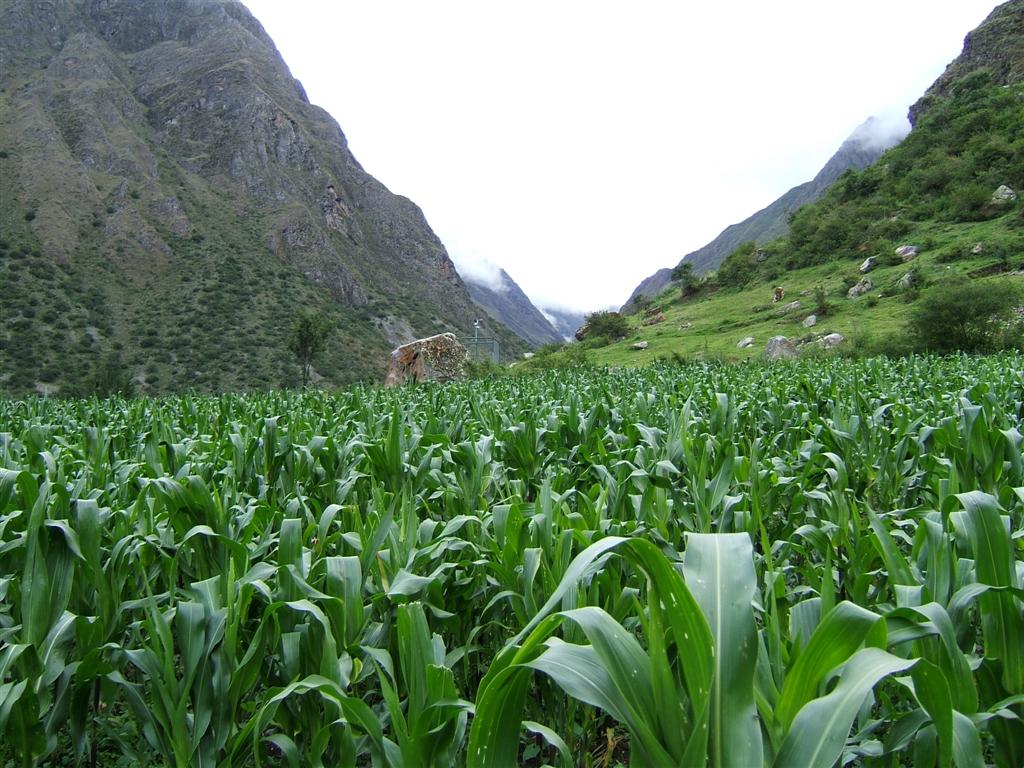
(1003, 195)
(907, 282)
(832, 340)
(436, 358)
(869, 263)
(746, 341)
(860, 288)
(787, 308)
(810, 321)
(907, 252)
(780, 348)
(640, 345)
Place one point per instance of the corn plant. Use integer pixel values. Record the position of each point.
(815, 564)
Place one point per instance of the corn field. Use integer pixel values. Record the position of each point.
(812, 564)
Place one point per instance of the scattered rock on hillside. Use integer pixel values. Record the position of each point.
(787, 308)
(810, 321)
(869, 263)
(860, 288)
(907, 252)
(436, 358)
(907, 281)
(832, 340)
(780, 348)
(746, 341)
(977, 248)
(655, 319)
(640, 345)
(1003, 195)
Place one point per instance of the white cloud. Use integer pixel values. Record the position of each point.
(583, 144)
(882, 131)
(477, 269)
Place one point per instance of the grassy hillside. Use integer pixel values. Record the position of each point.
(713, 324)
(859, 151)
(934, 191)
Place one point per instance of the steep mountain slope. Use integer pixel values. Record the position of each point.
(169, 199)
(997, 46)
(506, 303)
(862, 148)
(939, 209)
(565, 321)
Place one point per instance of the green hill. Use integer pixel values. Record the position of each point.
(937, 191)
(860, 150)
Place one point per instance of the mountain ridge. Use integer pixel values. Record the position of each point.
(861, 266)
(864, 145)
(505, 301)
(161, 169)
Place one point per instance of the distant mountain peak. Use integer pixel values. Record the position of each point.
(494, 291)
(876, 134)
(860, 149)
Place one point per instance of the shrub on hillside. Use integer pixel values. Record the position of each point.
(970, 202)
(610, 325)
(967, 317)
(484, 369)
(739, 266)
(822, 306)
(687, 280)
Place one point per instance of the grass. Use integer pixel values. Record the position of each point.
(712, 323)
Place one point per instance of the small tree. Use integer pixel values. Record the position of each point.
(822, 306)
(683, 274)
(969, 317)
(308, 339)
(739, 266)
(110, 377)
(610, 325)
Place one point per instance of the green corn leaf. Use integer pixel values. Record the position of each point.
(932, 692)
(719, 571)
(841, 632)
(1001, 613)
(821, 727)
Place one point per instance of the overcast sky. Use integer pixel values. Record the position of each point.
(583, 144)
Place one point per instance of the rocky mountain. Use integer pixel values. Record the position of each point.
(505, 302)
(169, 199)
(861, 149)
(996, 47)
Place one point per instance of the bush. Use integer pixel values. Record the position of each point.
(571, 356)
(484, 369)
(822, 306)
(548, 349)
(110, 377)
(969, 317)
(611, 325)
(739, 266)
(971, 202)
